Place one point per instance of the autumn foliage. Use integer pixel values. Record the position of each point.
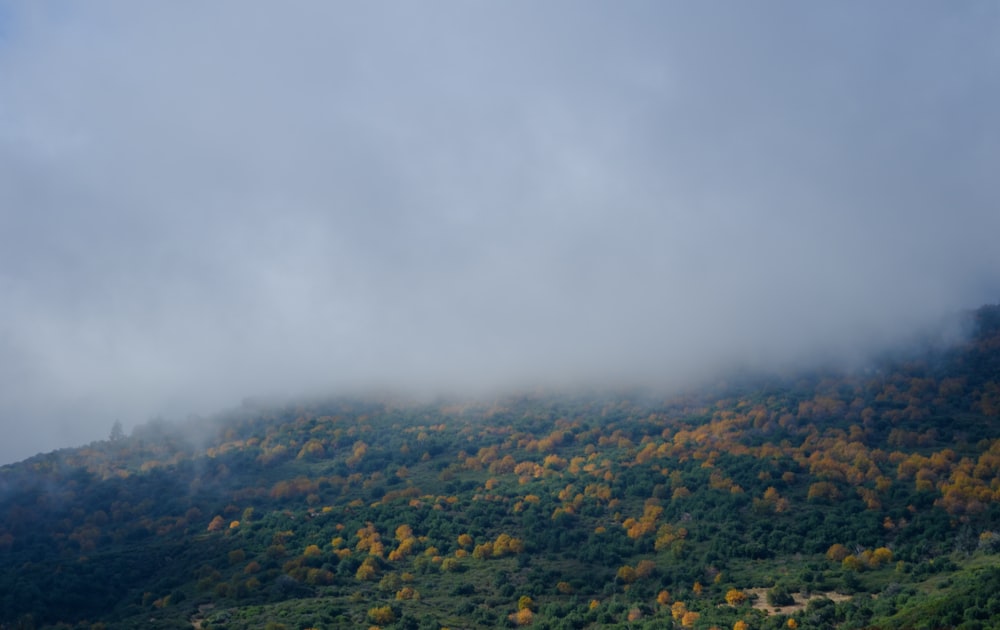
(656, 510)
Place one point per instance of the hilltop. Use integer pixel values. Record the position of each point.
(869, 498)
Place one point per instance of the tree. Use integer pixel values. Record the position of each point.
(779, 596)
(117, 434)
(407, 592)
(313, 449)
(678, 610)
(403, 532)
(483, 551)
(382, 615)
(522, 617)
(644, 569)
(735, 597)
(837, 552)
(367, 571)
(852, 563)
(627, 574)
(880, 556)
(690, 618)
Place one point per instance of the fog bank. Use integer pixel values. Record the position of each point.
(203, 202)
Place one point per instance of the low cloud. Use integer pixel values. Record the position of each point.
(203, 203)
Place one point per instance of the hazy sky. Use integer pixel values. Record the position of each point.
(201, 201)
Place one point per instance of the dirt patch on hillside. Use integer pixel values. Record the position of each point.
(198, 618)
(801, 601)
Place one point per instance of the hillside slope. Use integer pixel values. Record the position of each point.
(826, 489)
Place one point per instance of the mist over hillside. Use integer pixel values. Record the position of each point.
(827, 498)
(562, 315)
(471, 198)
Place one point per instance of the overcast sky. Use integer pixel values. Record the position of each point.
(202, 201)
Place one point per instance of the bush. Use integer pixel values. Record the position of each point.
(779, 596)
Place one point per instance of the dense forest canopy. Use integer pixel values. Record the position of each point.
(821, 500)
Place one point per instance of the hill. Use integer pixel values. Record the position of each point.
(825, 500)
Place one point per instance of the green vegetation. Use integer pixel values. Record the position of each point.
(847, 500)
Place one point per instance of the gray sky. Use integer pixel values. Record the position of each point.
(201, 201)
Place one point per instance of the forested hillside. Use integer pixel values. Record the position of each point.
(824, 500)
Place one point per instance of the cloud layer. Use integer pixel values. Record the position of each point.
(201, 202)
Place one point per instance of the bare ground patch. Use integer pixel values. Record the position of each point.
(198, 618)
(801, 601)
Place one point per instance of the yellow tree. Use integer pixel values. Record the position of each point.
(367, 571)
(483, 551)
(690, 618)
(627, 574)
(312, 551)
(880, 556)
(382, 615)
(644, 569)
(403, 532)
(735, 597)
(407, 592)
(501, 546)
(678, 610)
(523, 617)
(852, 563)
(837, 552)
